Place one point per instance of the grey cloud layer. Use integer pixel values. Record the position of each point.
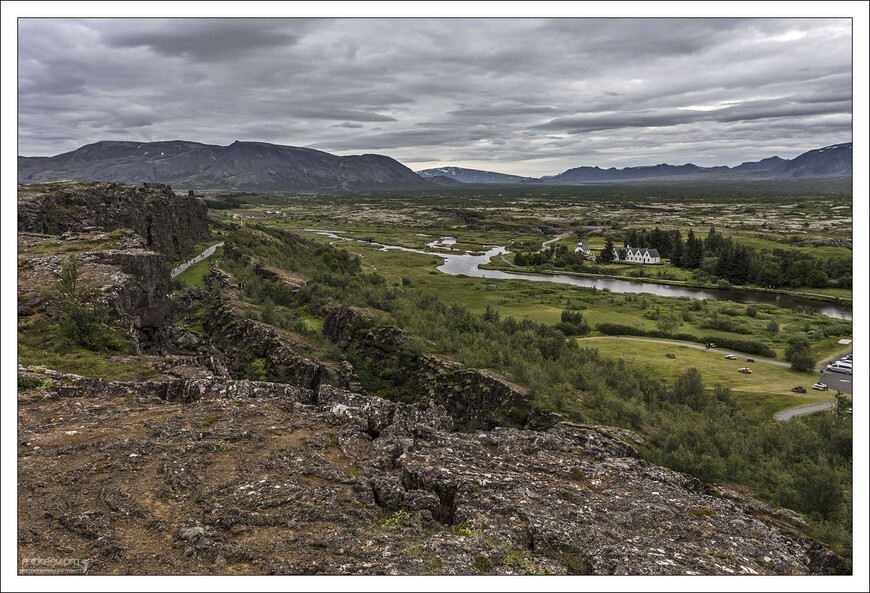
(527, 96)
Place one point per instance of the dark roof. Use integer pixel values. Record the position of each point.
(642, 250)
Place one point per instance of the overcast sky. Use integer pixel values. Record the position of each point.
(522, 96)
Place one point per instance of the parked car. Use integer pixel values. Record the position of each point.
(730, 357)
(744, 370)
(750, 360)
(820, 387)
(799, 389)
(837, 367)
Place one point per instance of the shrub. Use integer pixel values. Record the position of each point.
(573, 324)
(619, 329)
(799, 355)
(747, 346)
(397, 520)
(483, 564)
(668, 323)
(81, 320)
(28, 383)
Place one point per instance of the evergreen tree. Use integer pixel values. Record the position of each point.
(714, 241)
(693, 251)
(606, 256)
(742, 267)
(676, 255)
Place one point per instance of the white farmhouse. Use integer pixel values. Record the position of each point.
(637, 255)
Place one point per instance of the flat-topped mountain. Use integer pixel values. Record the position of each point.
(470, 175)
(241, 165)
(582, 174)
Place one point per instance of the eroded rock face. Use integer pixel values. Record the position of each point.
(130, 279)
(283, 363)
(242, 477)
(476, 399)
(168, 223)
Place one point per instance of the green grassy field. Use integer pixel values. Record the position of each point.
(766, 391)
(821, 251)
(39, 344)
(544, 302)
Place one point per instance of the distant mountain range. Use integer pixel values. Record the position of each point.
(831, 160)
(258, 166)
(241, 165)
(470, 175)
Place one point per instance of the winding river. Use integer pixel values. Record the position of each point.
(469, 265)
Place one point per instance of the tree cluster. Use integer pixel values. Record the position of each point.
(722, 257)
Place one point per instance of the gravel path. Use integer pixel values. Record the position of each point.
(182, 267)
(786, 414)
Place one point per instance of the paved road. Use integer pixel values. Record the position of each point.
(507, 262)
(787, 414)
(205, 254)
(553, 240)
(695, 346)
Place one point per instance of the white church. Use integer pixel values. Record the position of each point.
(637, 255)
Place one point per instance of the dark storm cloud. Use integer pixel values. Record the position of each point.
(206, 41)
(530, 96)
(749, 111)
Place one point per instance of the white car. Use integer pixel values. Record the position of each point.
(836, 367)
(730, 357)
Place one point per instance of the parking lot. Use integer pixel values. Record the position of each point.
(836, 381)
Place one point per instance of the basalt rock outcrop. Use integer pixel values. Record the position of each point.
(477, 399)
(167, 222)
(243, 477)
(131, 280)
(242, 339)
